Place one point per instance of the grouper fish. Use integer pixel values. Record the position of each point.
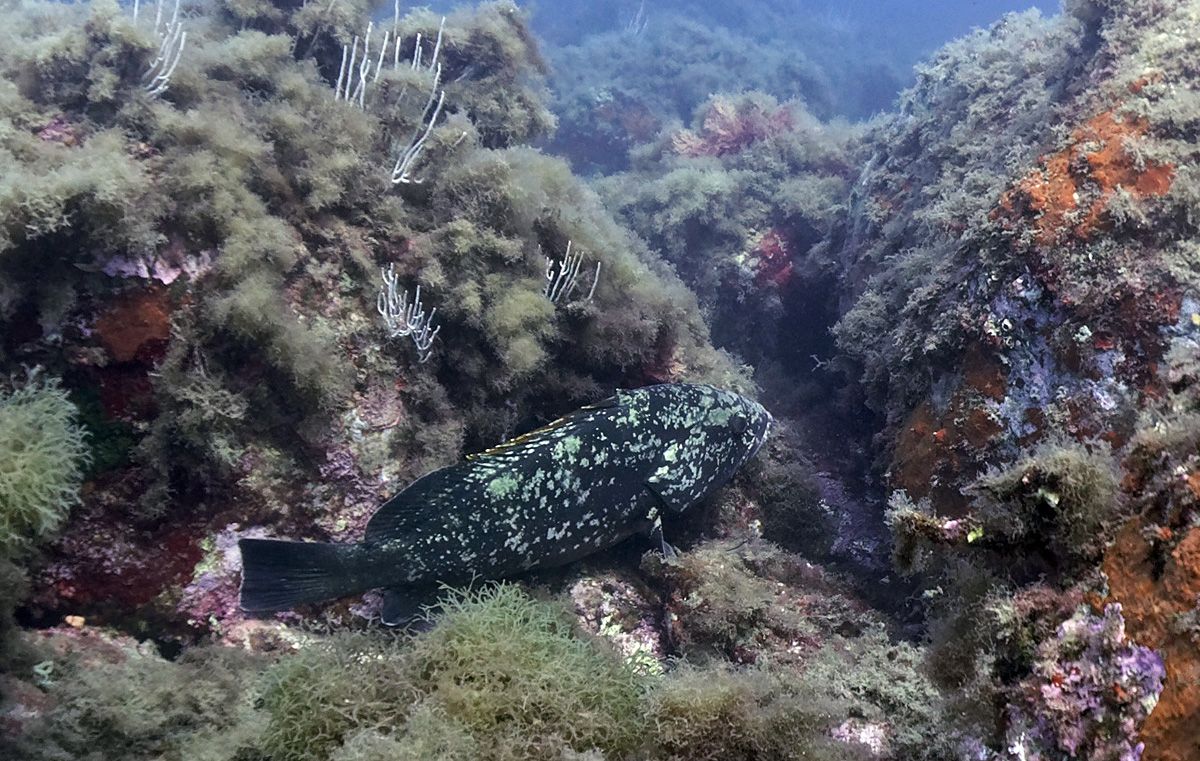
(571, 488)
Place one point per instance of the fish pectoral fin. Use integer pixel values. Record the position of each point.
(656, 535)
(406, 606)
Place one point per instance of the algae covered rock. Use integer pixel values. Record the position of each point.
(202, 262)
(1020, 288)
(329, 248)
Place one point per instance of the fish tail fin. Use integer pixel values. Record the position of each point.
(279, 574)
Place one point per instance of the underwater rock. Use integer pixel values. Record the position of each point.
(1090, 692)
(1069, 194)
(739, 205)
(618, 608)
(730, 126)
(26, 699)
(210, 598)
(1007, 261)
(107, 566)
(1160, 600)
(136, 327)
(744, 600)
(206, 259)
(21, 705)
(1014, 284)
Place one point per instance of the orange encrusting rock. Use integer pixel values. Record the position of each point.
(938, 451)
(137, 327)
(1070, 190)
(1154, 593)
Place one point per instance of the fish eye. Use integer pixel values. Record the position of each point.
(739, 423)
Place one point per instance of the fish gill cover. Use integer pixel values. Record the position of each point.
(264, 264)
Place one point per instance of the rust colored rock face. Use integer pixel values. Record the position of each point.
(137, 327)
(1155, 593)
(1069, 192)
(938, 451)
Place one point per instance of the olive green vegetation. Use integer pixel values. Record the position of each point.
(130, 703)
(783, 483)
(14, 587)
(750, 602)
(498, 676)
(709, 214)
(728, 607)
(710, 714)
(763, 713)
(1049, 514)
(43, 453)
(905, 263)
(936, 268)
(925, 248)
(248, 160)
(498, 670)
(614, 89)
(1061, 499)
(1042, 520)
(604, 91)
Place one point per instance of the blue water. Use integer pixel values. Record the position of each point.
(897, 33)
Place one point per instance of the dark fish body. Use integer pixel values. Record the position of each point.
(574, 487)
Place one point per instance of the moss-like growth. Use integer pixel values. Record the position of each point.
(1063, 496)
(14, 587)
(509, 668)
(136, 705)
(725, 609)
(42, 457)
(1044, 518)
(609, 101)
(737, 204)
(262, 203)
(716, 713)
(886, 682)
(1000, 579)
(794, 514)
(742, 601)
(326, 692)
(500, 676)
(767, 712)
(905, 234)
(429, 735)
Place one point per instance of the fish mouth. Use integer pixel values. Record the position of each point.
(767, 426)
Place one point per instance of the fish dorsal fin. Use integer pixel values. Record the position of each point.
(508, 447)
(409, 509)
(437, 491)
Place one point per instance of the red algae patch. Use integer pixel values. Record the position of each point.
(731, 126)
(773, 259)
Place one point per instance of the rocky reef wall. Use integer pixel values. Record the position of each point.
(977, 319)
(1020, 291)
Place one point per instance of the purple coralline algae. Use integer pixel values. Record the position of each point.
(1090, 690)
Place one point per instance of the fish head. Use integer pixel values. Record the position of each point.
(717, 432)
(750, 425)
